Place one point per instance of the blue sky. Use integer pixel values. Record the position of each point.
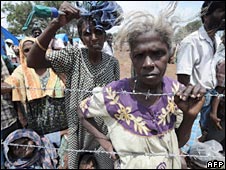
(185, 9)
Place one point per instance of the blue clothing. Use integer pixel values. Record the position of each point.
(44, 158)
(195, 134)
(206, 108)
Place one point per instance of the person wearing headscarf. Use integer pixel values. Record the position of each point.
(41, 93)
(9, 116)
(148, 116)
(29, 157)
(85, 68)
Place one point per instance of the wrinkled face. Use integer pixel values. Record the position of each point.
(26, 47)
(149, 56)
(216, 20)
(93, 38)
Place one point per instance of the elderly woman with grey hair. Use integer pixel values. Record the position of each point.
(144, 113)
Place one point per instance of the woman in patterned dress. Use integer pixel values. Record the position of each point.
(85, 68)
(148, 116)
(37, 96)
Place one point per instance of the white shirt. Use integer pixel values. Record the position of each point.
(195, 57)
(219, 56)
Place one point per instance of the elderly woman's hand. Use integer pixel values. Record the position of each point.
(190, 99)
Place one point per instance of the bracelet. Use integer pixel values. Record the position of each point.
(39, 45)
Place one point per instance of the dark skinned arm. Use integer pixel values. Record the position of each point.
(183, 79)
(213, 113)
(21, 116)
(190, 100)
(6, 88)
(100, 137)
(215, 104)
(36, 57)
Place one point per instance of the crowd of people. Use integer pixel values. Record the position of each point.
(65, 106)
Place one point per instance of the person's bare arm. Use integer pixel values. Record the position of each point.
(100, 137)
(36, 57)
(190, 100)
(6, 88)
(213, 113)
(21, 116)
(215, 104)
(183, 79)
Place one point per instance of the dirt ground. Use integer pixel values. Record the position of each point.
(125, 65)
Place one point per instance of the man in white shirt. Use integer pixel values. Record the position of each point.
(196, 53)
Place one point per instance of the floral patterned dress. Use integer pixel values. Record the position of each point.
(143, 136)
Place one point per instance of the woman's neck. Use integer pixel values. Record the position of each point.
(40, 71)
(143, 93)
(146, 88)
(95, 57)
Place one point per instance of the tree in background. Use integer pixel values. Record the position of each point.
(17, 14)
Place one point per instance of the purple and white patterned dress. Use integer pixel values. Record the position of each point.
(144, 136)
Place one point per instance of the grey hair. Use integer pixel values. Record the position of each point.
(137, 22)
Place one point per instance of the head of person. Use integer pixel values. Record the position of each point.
(109, 38)
(24, 48)
(36, 31)
(22, 152)
(88, 161)
(96, 18)
(150, 42)
(91, 36)
(23, 148)
(213, 15)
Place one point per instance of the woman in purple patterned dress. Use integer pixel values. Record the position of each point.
(148, 116)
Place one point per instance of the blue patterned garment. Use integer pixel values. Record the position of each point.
(102, 13)
(195, 134)
(41, 159)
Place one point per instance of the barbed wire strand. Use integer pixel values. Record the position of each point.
(118, 153)
(117, 92)
(99, 152)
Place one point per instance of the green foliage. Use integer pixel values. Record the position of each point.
(17, 14)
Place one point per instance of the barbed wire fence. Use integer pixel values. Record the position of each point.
(117, 92)
(117, 153)
(105, 152)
